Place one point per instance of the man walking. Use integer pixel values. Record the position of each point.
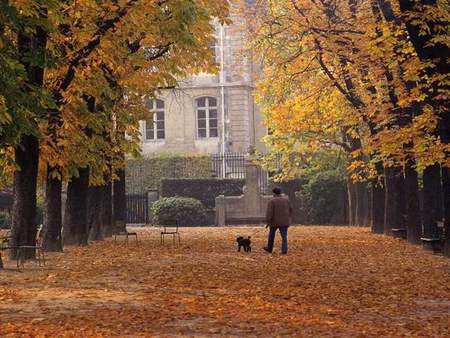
(278, 216)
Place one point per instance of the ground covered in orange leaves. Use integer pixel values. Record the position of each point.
(335, 281)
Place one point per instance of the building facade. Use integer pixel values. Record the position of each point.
(209, 113)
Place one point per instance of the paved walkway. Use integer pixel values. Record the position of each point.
(335, 282)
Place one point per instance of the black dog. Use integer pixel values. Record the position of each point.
(245, 243)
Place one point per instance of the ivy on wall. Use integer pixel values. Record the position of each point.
(146, 173)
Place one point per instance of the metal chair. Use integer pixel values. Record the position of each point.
(22, 249)
(121, 230)
(171, 229)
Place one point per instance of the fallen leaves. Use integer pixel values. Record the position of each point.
(335, 281)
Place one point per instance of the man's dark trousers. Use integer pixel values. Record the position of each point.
(283, 233)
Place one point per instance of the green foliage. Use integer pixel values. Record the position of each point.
(323, 198)
(305, 164)
(186, 211)
(146, 173)
(21, 104)
(290, 188)
(204, 189)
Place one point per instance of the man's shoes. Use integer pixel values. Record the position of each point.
(266, 249)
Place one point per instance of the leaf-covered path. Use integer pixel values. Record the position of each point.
(335, 282)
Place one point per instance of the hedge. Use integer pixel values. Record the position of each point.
(146, 173)
(323, 199)
(204, 189)
(186, 211)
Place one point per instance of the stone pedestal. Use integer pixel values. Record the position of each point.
(248, 208)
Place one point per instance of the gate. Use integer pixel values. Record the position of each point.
(137, 208)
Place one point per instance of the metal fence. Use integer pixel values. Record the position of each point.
(232, 165)
(137, 208)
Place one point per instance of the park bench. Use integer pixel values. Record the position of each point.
(432, 243)
(436, 242)
(399, 233)
(121, 230)
(170, 229)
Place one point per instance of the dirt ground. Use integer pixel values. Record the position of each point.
(334, 282)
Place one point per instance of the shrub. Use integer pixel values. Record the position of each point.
(323, 198)
(187, 211)
(203, 189)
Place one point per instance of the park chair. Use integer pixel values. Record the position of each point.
(171, 229)
(22, 249)
(121, 230)
(4, 245)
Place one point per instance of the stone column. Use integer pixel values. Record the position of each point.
(252, 203)
(220, 210)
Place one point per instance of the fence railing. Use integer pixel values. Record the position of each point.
(137, 208)
(232, 165)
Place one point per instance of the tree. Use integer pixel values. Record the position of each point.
(24, 30)
(346, 74)
(134, 50)
(427, 24)
(118, 52)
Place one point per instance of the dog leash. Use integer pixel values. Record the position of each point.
(257, 230)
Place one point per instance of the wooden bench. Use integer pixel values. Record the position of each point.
(121, 230)
(399, 233)
(435, 243)
(432, 243)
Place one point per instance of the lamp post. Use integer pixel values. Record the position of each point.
(222, 96)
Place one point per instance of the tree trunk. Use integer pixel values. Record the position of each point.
(446, 190)
(394, 210)
(444, 131)
(24, 228)
(351, 202)
(119, 197)
(75, 216)
(53, 214)
(427, 44)
(413, 222)
(363, 204)
(431, 200)
(107, 210)
(445, 136)
(24, 225)
(95, 213)
(369, 205)
(378, 196)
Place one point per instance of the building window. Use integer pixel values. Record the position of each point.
(154, 127)
(207, 117)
